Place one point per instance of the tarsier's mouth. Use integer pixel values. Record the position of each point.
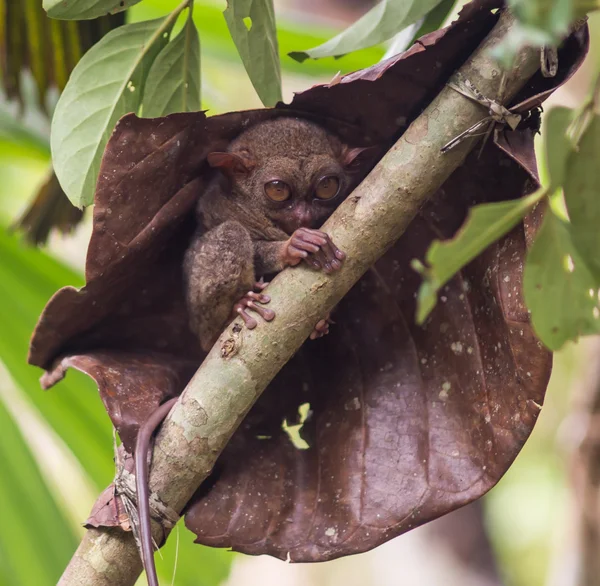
(291, 226)
(294, 222)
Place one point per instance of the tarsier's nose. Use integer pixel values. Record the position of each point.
(304, 215)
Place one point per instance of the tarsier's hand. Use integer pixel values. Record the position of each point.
(315, 248)
(322, 327)
(249, 302)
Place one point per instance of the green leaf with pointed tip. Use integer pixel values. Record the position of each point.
(582, 196)
(560, 290)
(107, 83)
(33, 526)
(485, 224)
(380, 24)
(251, 24)
(85, 9)
(174, 80)
(557, 146)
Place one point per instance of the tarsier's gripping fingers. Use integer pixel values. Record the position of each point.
(260, 285)
(249, 302)
(322, 328)
(314, 247)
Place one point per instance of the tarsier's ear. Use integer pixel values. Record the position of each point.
(230, 163)
(353, 157)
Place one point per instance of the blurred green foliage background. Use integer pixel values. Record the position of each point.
(56, 448)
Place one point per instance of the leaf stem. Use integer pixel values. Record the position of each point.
(169, 21)
(186, 57)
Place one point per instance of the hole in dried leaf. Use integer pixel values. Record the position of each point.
(248, 23)
(443, 394)
(293, 431)
(568, 264)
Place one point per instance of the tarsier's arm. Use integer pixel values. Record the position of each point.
(218, 270)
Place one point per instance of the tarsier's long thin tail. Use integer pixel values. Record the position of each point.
(141, 482)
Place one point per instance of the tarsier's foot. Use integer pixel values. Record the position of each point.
(260, 285)
(249, 302)
(315, 248)
(322, 328)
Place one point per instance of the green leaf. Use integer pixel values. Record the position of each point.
(435, 18)
(560, 290)
(485, 224)
(107, 83)
(33, 526)
(251, 24)
(221, 58)
(28, 278)
(557, 146)
(380, 24)
(85, 9)
(552, 16)
(540, 23)
(582, 196)
(22, 139)
(193, 564)
(174, 80)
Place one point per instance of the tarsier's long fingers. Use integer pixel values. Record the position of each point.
(317, 249)
(295, 254)
(260, 285)
(335, 252)
(332, 256)
(260, 297)
(266, 314)
(322, 328)
(250, 322)
(249, 302)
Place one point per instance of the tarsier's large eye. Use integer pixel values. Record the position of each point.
(278, 190)
(327, 187)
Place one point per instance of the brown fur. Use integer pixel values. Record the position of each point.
(244, 234)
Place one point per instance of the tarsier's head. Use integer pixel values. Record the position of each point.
(296, 171)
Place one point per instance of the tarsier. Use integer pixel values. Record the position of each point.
(277, 182)
(274, 186)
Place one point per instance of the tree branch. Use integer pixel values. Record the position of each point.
(243, 362)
